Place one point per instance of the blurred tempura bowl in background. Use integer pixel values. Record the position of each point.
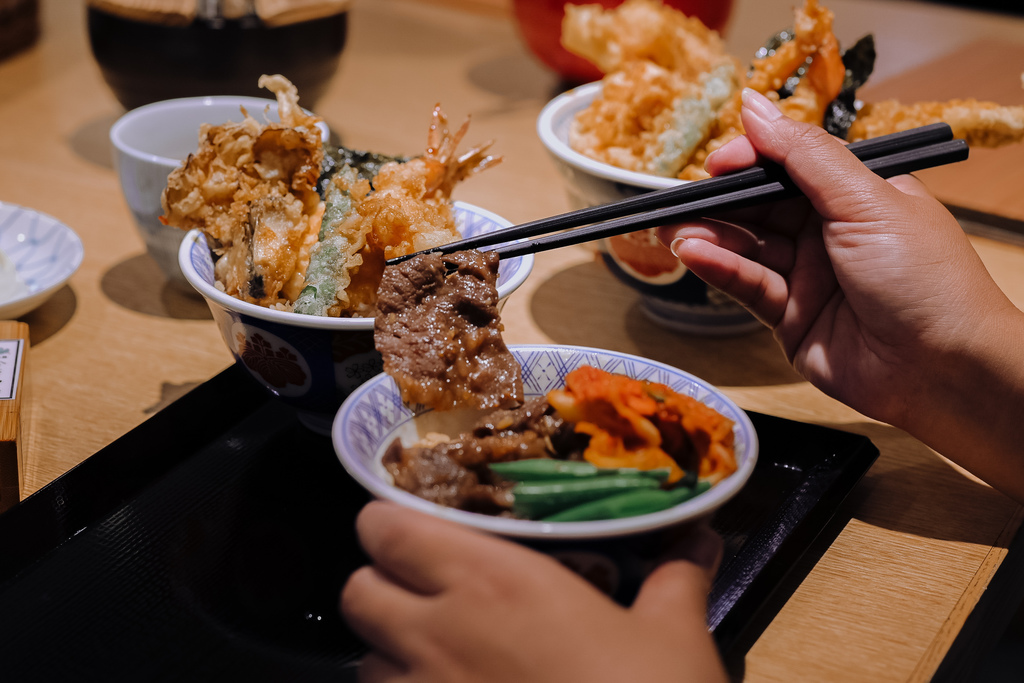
(540, 26)
(670, 295)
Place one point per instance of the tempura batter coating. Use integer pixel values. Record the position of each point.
(643, 30)
(408, 210)
(251, 189)
(667, 76)
(981, 124)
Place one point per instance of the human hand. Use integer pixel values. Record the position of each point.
(442, 602)
(873, 291)
(868, 284)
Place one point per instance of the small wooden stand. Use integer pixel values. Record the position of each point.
(14, 345)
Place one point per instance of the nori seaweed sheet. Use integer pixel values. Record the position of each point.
(859, 61)
(366, 164)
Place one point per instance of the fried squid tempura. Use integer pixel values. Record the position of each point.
(251, 188)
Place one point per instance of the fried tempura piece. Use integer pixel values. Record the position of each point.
(649, 119)
(812, 38)
(407, 211)
(981, 124)
(667, 76)
(644, 30)
(251, 189)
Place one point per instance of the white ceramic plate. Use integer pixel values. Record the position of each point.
(45, 253)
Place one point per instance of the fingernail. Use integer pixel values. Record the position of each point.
(759, 105)
(674, 246)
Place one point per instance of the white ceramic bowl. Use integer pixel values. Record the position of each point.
(153, 140)
(45, 254)
(313, 362)
(671, 296)
(615, 554)
(373, 415)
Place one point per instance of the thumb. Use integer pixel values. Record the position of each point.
(675, 594)
(817, 162)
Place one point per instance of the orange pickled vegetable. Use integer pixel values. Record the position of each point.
(645, 425)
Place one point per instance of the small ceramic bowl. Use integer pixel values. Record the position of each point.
(45, 254)
(671, 295)
(620, 551)
(312, 362)
(151, 141)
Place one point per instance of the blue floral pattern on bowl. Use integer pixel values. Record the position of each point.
(45, 254)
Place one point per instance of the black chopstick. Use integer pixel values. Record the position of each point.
(886, 166)
(688, 194)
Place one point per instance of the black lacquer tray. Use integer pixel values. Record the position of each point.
(212, 541)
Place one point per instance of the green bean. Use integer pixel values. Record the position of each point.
(628, 504)
(535, 499)
(660, 473)
(685, 493)
(551, 468)
(543, 468)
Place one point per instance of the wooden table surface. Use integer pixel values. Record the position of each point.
(918, 540)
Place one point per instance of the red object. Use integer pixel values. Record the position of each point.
(540, 24)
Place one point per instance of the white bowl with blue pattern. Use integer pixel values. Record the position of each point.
(314, 362)
(615, 554)
(45, 254)
(674, 297)
(374, 415)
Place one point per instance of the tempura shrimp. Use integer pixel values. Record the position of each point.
(406, 210)
(812, 39)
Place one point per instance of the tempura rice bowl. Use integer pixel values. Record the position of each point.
(671, 296)
(311, 362)
(374, 415)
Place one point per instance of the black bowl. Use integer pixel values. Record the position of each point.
(146, 62)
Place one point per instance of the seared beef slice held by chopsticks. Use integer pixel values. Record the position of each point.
(439, 332)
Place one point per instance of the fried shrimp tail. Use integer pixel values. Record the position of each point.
(407, 209)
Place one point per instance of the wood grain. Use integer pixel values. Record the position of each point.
(917, 542)
(990, 180)
(13, 392)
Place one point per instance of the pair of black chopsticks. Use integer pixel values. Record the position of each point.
(888, 155)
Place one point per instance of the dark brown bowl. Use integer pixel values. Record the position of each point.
(146, 62)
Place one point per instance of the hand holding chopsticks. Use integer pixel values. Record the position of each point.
(888, 156)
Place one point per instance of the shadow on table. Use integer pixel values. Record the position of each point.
(138, 285)
(904, 484)
(50, 317)
(516, 78)
(91, 141)
(585, 305)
